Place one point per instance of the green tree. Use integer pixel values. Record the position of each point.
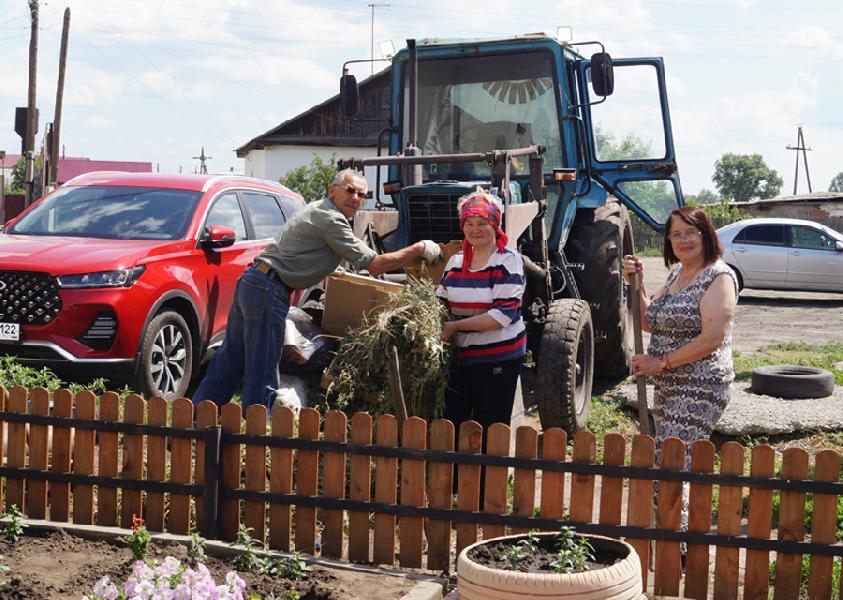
(703, 198)
(836, 184)
(657, 197)
(745, 176)
(721, 211)
(16, 184)
(627, 148)
(311, 181)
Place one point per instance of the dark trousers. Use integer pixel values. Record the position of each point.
(484, 392)
(251, 350)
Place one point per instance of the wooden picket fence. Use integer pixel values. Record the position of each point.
(384, 495)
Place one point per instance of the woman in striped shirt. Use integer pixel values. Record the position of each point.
(482, 289)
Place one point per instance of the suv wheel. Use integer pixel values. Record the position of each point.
(165, 362)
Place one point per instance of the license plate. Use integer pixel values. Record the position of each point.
(10, 332)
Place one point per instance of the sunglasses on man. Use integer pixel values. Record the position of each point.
(353, 190)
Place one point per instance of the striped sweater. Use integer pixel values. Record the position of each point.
(496, 290)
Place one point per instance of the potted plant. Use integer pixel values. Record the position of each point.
(549, 566)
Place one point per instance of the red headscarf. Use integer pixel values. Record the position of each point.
(481, 204)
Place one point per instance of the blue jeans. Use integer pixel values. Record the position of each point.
(254, 338)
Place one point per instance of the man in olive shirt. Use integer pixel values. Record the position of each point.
(310, 246)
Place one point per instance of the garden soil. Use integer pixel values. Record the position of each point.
(59, 565)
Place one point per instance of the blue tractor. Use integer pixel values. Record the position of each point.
(572, 143)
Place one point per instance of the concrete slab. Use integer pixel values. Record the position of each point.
(754, 414)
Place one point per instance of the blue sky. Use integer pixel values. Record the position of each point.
(155, 80)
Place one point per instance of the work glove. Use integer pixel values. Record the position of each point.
(432, 254)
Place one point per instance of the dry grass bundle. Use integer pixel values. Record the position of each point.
(412, 322)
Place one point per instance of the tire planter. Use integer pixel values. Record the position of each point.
(620, 581)
(792, 381)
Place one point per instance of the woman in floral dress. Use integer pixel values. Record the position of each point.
(690, 322)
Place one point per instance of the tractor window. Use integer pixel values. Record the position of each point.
(629, 126)
(657, 197)
(483, 103)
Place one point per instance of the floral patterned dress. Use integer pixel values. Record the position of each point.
(690, 398)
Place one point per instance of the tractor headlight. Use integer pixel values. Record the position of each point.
(118, 278)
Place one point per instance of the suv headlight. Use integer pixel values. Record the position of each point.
(118, 278)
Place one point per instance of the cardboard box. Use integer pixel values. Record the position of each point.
(349, 297)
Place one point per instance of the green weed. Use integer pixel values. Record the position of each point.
(572, 552)
(803, 585)
(13, 529)
(823, 356)
(247, 560)
(196, 549)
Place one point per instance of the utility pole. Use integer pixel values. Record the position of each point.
(3, 185)
(372, 40)
(800, 145)
(31, 116)
(54, 146)
(203, 168)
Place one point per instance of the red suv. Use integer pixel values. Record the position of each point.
(132, 275)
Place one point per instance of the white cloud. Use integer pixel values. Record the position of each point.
(287, 71)
(100, 123)
(85, 86)
(814, 41)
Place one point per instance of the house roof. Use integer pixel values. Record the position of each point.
(296, 130)
(813, 197)
(70, 167)
(11, 160)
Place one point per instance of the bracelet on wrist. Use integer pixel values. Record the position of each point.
(665, 362)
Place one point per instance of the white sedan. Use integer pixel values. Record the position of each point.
(784, 254)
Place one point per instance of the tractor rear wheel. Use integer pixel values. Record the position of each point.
(565, 366)
(599, 238)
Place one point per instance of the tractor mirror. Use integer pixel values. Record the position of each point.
(602, 74)
(349, 95)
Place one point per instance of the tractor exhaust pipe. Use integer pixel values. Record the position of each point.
(413, 173)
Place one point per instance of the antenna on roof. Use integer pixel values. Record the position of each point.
(203, 168)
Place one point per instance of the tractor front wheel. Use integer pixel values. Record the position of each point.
(565, 366)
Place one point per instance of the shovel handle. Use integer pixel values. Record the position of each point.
(640, 380)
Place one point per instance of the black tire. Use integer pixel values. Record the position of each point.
(792, 381)
(738, 276)
(164, 365)
(599, 238)
(565, 366)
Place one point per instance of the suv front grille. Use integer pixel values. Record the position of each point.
(434, 217)
(28, 298)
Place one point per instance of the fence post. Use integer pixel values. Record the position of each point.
(210, 508)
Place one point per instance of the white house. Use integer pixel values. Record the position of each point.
(324, 131)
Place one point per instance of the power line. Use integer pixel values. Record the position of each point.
(175, 87)
(150, 90)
